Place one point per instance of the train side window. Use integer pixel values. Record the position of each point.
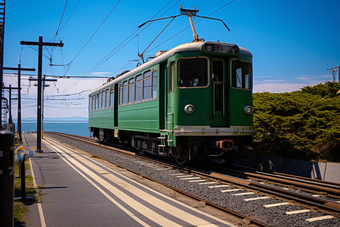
(241, 75)
(99, 101)
(193, 72)
(94, 102)
(132, 90)
(154, 84)
(147, 85)
(111, 96)
(107, 103)
(139, 88)
(103, 99)
(171, 77)
(90, 103)
(125, 93)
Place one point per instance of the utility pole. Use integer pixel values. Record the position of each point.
(10, 121)
(333, 70)
(42, 109)
(40, 44)
(19, 93)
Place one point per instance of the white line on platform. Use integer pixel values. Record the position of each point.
(245, 193)
(275, 205)
(257, 198)
(220, 186)
(320, 218)
(41, 213)
(298, 211)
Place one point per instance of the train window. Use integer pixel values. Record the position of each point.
(103, 99)
(154, 84)
(193, 72)
(217, 71)
(107, 105)
(139, 88)
(147, 85)
(241, 77)
(125, 93)
(132, 90)
(94, 102)
(99, 101)
(218, 78)
(171, 77)
(111, 97)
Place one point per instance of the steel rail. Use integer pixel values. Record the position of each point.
(332, 191)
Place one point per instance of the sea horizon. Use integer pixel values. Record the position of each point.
(74, 128)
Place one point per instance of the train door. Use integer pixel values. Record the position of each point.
(163, 96)
(218, 83)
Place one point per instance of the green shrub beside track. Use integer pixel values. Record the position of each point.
(303, 124)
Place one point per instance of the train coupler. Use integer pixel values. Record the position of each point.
(226, 145)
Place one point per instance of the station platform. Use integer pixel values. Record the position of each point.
(77, 190)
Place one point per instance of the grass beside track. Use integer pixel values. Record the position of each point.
(20, 208)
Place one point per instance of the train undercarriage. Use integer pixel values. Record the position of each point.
(188, 148)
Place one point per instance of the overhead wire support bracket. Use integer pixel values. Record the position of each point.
(187, 12)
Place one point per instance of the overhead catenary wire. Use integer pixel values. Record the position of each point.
(109, 55)
(94, 33)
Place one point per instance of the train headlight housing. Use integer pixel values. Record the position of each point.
(223, 48)
(247, 110)
(189, 109)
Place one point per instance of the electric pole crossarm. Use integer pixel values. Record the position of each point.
(21, 69)
(43, 43)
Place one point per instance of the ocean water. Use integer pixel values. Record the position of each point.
(80, 129)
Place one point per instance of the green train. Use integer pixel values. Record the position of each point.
(193, 102)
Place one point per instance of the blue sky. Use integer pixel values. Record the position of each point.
(293, 42)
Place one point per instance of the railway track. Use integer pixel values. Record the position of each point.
(275, 186)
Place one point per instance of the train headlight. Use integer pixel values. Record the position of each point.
(189, 109)
(247, 109)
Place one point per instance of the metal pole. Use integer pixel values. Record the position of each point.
(23, 178)
(39, 150)
(19, 102)
(10, 105)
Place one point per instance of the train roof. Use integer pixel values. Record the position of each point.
(194, 46)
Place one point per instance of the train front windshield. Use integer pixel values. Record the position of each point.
(193, 72)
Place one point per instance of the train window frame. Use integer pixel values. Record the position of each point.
(223, 73)
(107, 98)
(171, 77)
(112, 92)
(154, 93)
(139, 88)
(147, 78)
(131, 92)
(103, 100)
(243, 85)
(179, 74)
(125, 85)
